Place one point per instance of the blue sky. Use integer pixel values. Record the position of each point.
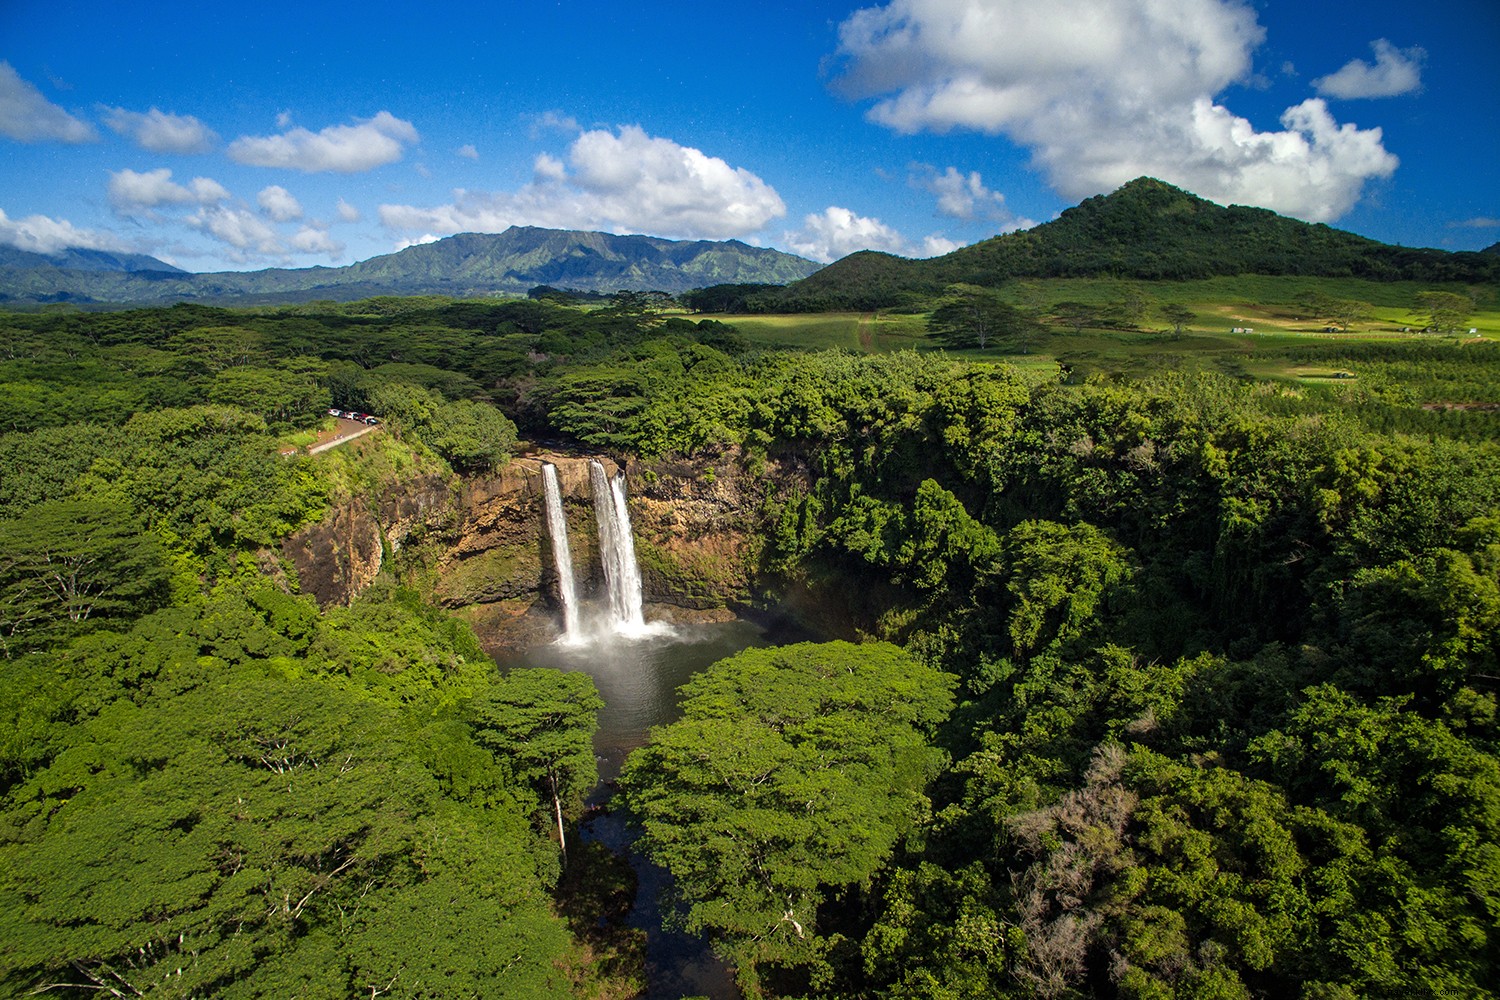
(279, 134)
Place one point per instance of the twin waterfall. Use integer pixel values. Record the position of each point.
(621, 613)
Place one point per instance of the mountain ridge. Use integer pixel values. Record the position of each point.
(85, 259)
(463, 265)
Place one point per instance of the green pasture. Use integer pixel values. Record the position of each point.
(872, 333)
(1280, 340)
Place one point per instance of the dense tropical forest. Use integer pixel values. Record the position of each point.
(1159, 680)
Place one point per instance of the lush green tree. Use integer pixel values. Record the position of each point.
(1178, 315)
(1058, 576)
(216, 348)
(1446, 312)
(1127, 306)
(1076, 315)
(472, 436)
(540, 724)
(257, 835)
(206, 477)
(791, 776)
(69, 561)
(278, 397)
(977, 318)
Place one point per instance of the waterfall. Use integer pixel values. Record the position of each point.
(557, 528)
(622, 577)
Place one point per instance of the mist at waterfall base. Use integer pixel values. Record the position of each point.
(637, 666)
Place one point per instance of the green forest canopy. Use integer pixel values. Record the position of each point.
(1179, 686)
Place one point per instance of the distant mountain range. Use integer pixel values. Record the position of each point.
(463, 266)
(79, 259)
(1146, 230)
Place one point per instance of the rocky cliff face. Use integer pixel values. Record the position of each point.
(482, 546)
(340, 555)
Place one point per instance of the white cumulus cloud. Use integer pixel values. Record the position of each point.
(417, 241)
(965, 197)
(936, 246)
(345, 149)
(311, 239)
(238, 228)
(1103, 91)
(161, 132)
(467, 151)
(347, 212)
(837, 232)
(43, 234)
(27, 116)
(279, 203)
(1395, 71)
(130, 190)
(622, 181)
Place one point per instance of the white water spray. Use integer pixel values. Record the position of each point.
(562, 557)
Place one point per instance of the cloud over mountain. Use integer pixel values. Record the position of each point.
(618, 181)
(1104, 92)
(43, 234)
(837, 232)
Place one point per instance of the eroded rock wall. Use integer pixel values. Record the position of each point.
(484, 546)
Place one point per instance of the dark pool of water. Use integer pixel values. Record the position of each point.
(638, 680)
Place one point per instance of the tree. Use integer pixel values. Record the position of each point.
(638, 311)
(540, 723)
(472, 436)
(1446, 311)
(976, 318)
(70, 560)
(790, 776)
(1127, 308)
(1076, 315)
(1343, 313)
(1178, 315)
(1058, 577)
(259, 835)
(278, 397)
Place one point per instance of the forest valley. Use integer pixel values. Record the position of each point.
(1177, 685)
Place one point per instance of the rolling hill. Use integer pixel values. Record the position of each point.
(1146, 230)
(463, 266)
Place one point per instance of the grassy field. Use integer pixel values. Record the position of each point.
(865, 332)
(1280, 340)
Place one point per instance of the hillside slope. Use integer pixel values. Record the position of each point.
(1146, 230)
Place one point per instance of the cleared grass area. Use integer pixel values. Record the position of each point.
(871, 333)
(1283, 345)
